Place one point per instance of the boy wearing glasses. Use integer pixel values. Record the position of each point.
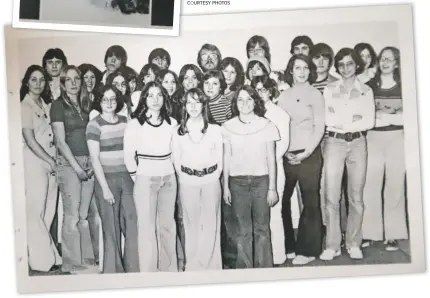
(209, 57)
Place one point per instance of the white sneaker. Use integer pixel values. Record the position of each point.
(355, 253)
(329, 254)
(302, 260)
(291, 255)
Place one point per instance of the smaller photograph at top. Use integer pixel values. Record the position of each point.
(152, 17)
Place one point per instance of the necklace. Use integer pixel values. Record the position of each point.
(194, 141)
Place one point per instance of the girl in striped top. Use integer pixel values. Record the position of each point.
(213, 84)
(197, 154)
(113, 184)
(147, 158)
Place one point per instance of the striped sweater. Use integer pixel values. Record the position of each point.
(111, 139)
(220, 109)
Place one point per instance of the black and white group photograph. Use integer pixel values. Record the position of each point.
(274, 146)
(157, 15)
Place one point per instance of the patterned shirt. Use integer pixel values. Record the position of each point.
(111, 139)
(220, 109)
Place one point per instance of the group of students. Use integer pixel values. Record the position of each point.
(196, 171)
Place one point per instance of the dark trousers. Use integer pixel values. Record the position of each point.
(228, 238)
(252, 217)
(309, 236)
(121, 186)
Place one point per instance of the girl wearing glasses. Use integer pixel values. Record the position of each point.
(303, 160)
(370, 61)
(250, 177)
(118, 80)
(385, 179)
(155, 188)
(113, 184)
(266, 88)
(197, 154)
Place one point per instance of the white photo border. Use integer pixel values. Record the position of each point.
(401, 14)
(39, 24)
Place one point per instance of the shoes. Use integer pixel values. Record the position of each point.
(392, 245)
(291, 255)
(366, 243)
(355, 253)
(329, 254)
(302, 260)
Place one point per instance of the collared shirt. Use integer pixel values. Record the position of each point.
(281, 119)
(305, 105)
(37, 119)
(341, 105)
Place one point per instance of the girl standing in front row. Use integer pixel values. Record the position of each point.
(147, 153)
(197, 154)
(250, 177)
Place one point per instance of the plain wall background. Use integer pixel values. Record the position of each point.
(184, 49)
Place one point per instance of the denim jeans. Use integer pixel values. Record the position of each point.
(343, 199)
(154, 198)
(252, 217)
(384, 191)
(309, 236)
(337, 154)
(201, 217)
(121, 185)
(77, 195)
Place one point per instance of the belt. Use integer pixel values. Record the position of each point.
(349, 136)
(199, 173)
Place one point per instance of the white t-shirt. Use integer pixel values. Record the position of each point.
(198, 161)
(248, 143)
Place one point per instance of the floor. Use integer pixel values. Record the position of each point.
(374, 254)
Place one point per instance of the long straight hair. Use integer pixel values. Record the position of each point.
(396, 74)
(199, 96)
(126, 98)
(142, 107)
(23, 91)
(84, 101)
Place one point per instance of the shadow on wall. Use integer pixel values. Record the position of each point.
(29, 9)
